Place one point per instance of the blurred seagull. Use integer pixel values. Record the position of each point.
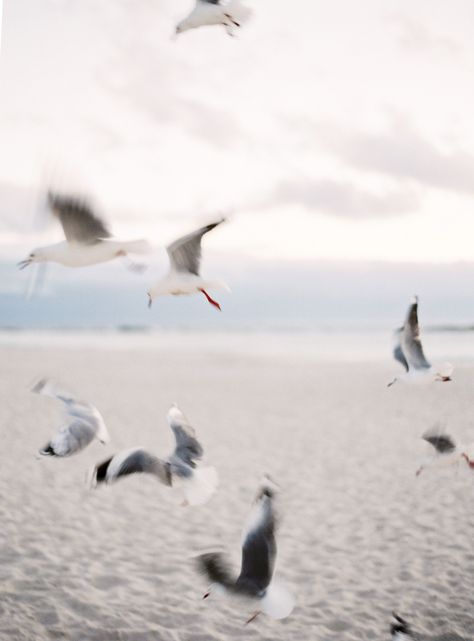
(400, 630)
(229, 13)
(84, 423)
(409, 352)
(179, 470)
(183, 277)
(258, 561)
(88, 240)
(447, 451)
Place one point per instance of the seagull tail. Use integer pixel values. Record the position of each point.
(200, 486)
(277, 603)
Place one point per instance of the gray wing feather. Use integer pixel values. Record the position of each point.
(443, 443)
(72, 438)
(188, 449)
(79, 222)
(141, 461)
(411, 342)
(259, 551)
(397, 350)
(185, 253)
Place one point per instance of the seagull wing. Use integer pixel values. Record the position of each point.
(397, 349)
(259, 547)
(216, 569)
(185, 253)
(443, 443)
(188, 449)
(74, 408)
(135, 461)
(410, 340)
(80, 224)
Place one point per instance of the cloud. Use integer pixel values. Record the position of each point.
(343, 199)
(402, 153)
(417, 37)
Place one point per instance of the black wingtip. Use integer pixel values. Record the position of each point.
(401, 625)
(47, 450)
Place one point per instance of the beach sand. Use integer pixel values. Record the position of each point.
(360, 536)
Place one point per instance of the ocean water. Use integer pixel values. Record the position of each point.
(336, 345)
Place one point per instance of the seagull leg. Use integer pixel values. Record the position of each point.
(419, 471)
(210, 300)
(391, 382)
(253, 617)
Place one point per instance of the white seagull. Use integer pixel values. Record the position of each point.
(179, 470)
(409, 352)
(447, 451)
(400, 630)
(88, 240)
(228, 13)
(258, 561)
(183, 277)
(84, 423)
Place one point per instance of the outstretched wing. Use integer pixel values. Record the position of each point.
(135, 461)
(259, 546)
(443, 443)
(410, 339)
(397, 349)
(216, 569)
(185, 253)
(79, 222)
(188, 449)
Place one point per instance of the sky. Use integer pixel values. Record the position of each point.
(337, 132)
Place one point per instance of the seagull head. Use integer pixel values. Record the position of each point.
(36, 256)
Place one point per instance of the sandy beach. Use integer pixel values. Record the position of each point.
(360, 536)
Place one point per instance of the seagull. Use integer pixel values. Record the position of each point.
(179, 470)
(447, 451)
(229, 13)
(84, 423)
(258, 561)
(400, 630)
(88, 239)
(183, 277)
(408, 352)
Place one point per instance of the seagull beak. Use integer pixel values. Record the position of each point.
(24, 263)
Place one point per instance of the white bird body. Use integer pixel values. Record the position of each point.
(179, 471)
(73, 254)
(408, 351)
(255, 581)
(229, 13)
(84, 423)
(183, 284)
(183, 278)
(88, 240)
(447, 451)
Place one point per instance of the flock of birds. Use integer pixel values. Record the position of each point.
(88, 241)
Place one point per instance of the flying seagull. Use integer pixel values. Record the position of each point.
(228, 13)
(179, 470)
(84, 423)
(258, 561)
(88, 239)
(447, 451)
(408, 352)
(400, 630)
(183, 277)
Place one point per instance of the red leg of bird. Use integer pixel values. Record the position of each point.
(210, 300)
(253, 617)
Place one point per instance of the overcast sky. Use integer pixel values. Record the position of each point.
(326, 130)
